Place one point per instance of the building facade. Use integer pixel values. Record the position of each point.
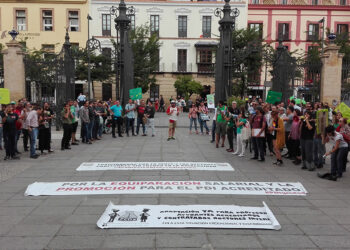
(300, 24)
(42, 23)
(188, 32)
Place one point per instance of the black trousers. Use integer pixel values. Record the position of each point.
(26, 138)
(269, 140)
(288, 141)
(117, 122)
(130, 124)
(10, 142)
(230, 132)
(258, 147)
(67, 134)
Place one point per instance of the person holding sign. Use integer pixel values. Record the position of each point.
(173, 112)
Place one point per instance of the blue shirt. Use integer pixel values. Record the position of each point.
(117, 110)
(131, 114)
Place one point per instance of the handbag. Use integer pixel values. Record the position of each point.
(246, 132)
(205, 117)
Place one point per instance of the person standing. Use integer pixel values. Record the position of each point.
(288, 121)
(130, 108)
(149, 113)
(33, 124)
(49, 114)
(116, 110)
(203, 117)
(192, 114)
(81, 99)
(140, 114)
(213, 126)
(44, 137)
(9, 119)
(85, 121)
(101, 111)
(230, 128)
(161, 104)
(18, 110)
(240, 123)
(67, 121)
(74, 109)
(2, 114)
(306, 141)
(258, 134)
(173, 113)
(278, 136)
(221, 124)
(25, 131)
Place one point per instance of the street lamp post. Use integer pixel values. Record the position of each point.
(124, 64)
(89, 18)
(223, 69)
(322, 42)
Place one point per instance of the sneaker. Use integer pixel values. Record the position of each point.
(34, 156)
(169, 139)
(173, 138)
(15, 157)
(6, 158)
(241, 155)
(235, 153)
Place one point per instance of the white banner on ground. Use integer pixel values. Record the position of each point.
(165, 187)
(204, 216)
(93, 166)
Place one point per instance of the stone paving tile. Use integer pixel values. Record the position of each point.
(287, 229)
(13, 211)
(44, 219)
(130, 241)
(23, 243)
(286, 241)
(234, 241)
(81, 230)
(81, 219)
(53, 210)
(11, 220)
(331, 241)
(318, 230)
(75, 242)
(181, 240)
(311, 219)
(34, 230)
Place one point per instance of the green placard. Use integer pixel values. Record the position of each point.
(4, 96)
(135, 94)
(273, 97)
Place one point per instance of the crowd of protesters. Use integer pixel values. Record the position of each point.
(272, 129)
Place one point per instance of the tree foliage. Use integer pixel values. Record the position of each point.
(146, 56)
(187, 86)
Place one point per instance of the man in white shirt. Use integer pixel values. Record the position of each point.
(173, 112)
(32, 123)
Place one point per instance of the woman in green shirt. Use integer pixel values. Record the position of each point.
(240, 123)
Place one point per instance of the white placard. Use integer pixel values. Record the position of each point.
(93, 166)
(203, 216)
(165, 187)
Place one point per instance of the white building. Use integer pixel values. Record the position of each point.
(188, 32)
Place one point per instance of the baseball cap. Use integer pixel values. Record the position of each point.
(172, 102)
(13, 102)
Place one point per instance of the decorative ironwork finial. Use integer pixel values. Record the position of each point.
(332, 38)
(13, 33)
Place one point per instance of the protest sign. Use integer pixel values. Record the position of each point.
(4, 96)
(165, 187)
(273, 97)
(344, 110)
(135, 94)
(93, 166)
(321, 120)
(210, 101)
(200, 216)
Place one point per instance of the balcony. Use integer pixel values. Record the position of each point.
(182, 68)
(205, 68)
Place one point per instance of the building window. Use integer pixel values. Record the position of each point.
(255, 1)
(106, 25)
(314, 2)
(182, 26)
(157, 58)
(284, 2)
(205, 60)
(181, 60)
(74, 45)
(283, 31)
(155, 24)
(49, 50)
(313, 32)
(107, 52)
(258, 27)
(342, 28)
(47, 20)
(73, 18)
(206, 26)
(154, 92)
(342, 2)
(21, 20)
(132, 22)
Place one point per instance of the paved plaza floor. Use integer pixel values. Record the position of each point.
(319, 220)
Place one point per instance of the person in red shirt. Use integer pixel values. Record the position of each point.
(140, 114)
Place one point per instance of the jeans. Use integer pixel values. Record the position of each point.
(130, 123)
(193, 120)
(150, 123)
(100, 130)
(90, 128)
(203, 123)
(306, 152)
(269, 140)
(139, 121)
(240, 145)
(337, 161)
(1, 135)
(85, 135)
(33, 137)
(117, 121)
(67, 135)
(318, 151)
(26, 137)
(259, 147)
(230, 137)
(95, 128)
(213, 127)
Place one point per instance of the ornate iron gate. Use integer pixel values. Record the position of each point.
(345, 78)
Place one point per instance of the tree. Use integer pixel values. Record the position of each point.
(146, 56)
(187, 86)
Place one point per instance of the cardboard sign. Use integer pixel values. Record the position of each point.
(4, 96)
(135, 94)
(344, 109)
(321, 120)
(199, 216)
(273, 97)
(211, 166)
(165, 187)
(211, 101)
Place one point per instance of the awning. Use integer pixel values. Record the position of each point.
(206, 44)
